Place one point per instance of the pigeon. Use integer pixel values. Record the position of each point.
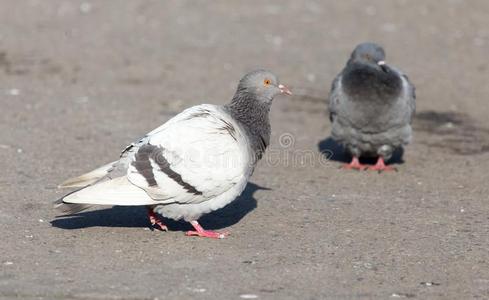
(371, 107)
(195, 163)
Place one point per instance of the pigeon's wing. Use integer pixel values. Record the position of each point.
(410, 96)
(194, 157)
(334, 97)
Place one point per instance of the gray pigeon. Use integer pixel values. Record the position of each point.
(197, 162)
(371, 107)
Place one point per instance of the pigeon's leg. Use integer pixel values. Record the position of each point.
(380, 166)
(199, 231)
(354, 165)
(154, 220)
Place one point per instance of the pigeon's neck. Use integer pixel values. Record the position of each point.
(364, 82)
(253, 115)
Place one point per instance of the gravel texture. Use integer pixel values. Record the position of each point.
(80, 80)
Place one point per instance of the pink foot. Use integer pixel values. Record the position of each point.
(380, 166)
(155, 222)
(199, 231)
(354, 165)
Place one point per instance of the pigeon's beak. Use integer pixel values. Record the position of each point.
(383, 66)
(284, 89)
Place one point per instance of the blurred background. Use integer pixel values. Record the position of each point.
(79, 80)
(65, 60)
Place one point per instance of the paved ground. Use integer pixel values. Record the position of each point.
(80, 80)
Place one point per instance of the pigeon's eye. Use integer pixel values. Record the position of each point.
(266, 82)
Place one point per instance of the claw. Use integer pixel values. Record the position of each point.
(155, 221)
(380, 166)
(354, 165)
(199, 231)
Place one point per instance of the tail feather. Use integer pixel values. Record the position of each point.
(88, 178)
(70, 208)
(81, 182)
(117, 191)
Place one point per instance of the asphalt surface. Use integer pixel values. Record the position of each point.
(81, 80)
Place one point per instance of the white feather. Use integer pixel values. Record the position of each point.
(117, 191)
(197, 147)
(201, 152)
(88, 178)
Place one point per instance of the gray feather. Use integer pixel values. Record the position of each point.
(88, 178)
(70, 208)
(251, 106)
(371, 105)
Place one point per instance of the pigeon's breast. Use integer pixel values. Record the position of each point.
(364, 83)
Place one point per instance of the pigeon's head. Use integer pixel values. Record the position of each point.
(370, 54)
(262, 85)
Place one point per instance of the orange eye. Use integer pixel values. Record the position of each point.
(266, 82)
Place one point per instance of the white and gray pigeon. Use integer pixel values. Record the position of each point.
(371, 107)
(197, 162)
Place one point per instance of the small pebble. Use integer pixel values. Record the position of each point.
(85, 7)
(248, 296)
(14, 92)
(449, 125)
(249, 262)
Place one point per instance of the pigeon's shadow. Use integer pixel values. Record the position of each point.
(130, 216)
(335, 152)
